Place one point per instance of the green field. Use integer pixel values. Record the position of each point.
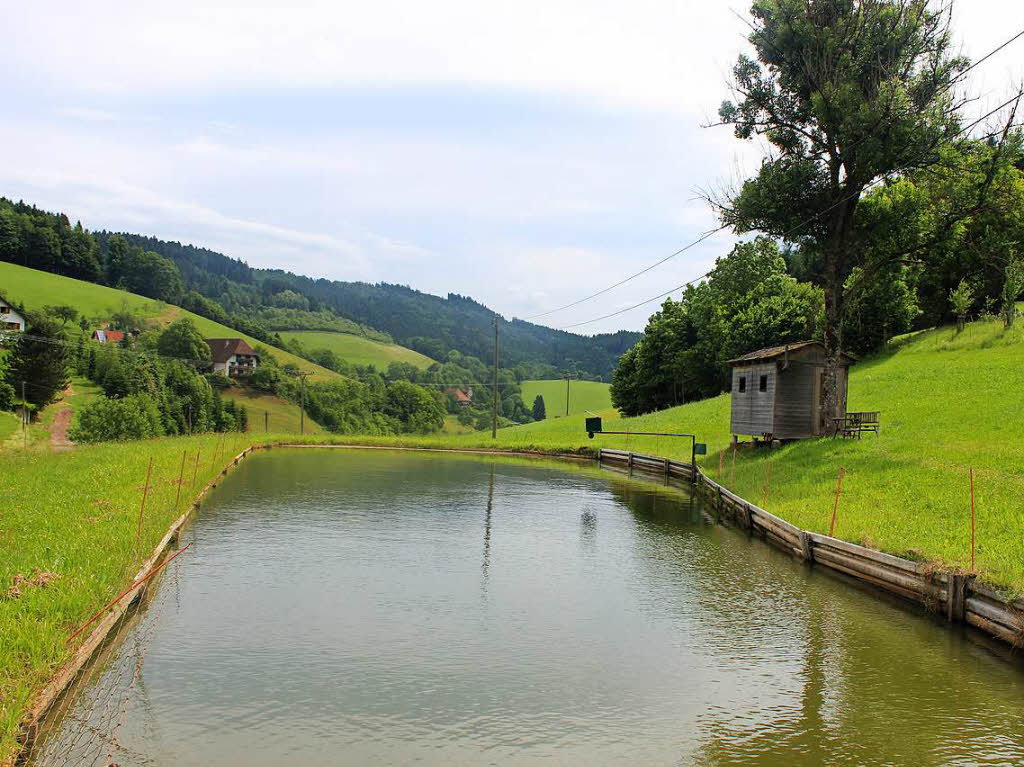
(36, 289)
(584, 396)
(270, 413)
(358, 350)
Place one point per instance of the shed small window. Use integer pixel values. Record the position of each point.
(743, 384)
(763, 385)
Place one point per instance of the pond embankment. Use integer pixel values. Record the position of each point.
(951, 593)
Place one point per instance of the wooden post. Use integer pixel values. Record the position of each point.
(266, 421)
(835, 508)
(145, 492)
(805, 546)
(181, 477)
(972, 521)
(767, 485)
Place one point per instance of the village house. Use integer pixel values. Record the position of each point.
(10, 318)
(777, 392)
(108, 336)
(463, 398)
(232, 356)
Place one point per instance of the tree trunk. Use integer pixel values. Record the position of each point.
(833, 346)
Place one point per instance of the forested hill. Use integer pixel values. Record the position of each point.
(432, 325)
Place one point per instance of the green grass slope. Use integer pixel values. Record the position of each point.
(357, 349)
(36, 289)
(584, 396)
(268, 413)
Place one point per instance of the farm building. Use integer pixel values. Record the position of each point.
(10, 318)
(232, 356)
(108, 336)
(777, 392)
(461, 397)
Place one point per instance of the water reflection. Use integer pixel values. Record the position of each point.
(487, 530)
(330, 612)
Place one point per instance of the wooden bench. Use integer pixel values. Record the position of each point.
(855, 424)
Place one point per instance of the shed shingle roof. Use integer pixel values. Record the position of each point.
(223, 349)
(771, 352)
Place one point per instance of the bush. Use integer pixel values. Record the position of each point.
(7, 395)
(218, 381)
(133, 417)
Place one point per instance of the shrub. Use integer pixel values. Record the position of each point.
(133, 417)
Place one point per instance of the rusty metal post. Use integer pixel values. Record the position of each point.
(835, 508)
(142, 508)
(181, 478)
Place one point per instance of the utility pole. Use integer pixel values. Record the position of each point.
(567, 377)
(494, 393)
(302, 407)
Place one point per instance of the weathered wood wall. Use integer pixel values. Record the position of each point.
(952, 594)
(753, 411)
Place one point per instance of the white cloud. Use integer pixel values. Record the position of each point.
(183, 120)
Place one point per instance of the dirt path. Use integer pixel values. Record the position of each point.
(62, 422)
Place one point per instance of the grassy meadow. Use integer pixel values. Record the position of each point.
(282, 416)
(37, 289)
(584, 396)
(358, 350)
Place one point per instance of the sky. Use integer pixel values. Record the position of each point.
(525, 154)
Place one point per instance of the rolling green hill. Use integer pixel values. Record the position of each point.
(36, 289)
(584, 396)
(357, 349)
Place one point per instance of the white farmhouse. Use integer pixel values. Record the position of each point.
(10, 319)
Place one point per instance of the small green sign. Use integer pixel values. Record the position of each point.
(700, 448)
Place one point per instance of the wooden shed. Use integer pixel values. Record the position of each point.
(777, 392)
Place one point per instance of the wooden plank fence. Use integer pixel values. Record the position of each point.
(953, 594)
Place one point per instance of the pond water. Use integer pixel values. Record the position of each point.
(377, 607)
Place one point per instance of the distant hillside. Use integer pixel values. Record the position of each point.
(429, 324)
(97, 303)
(356, 349)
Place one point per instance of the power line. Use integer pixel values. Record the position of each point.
(706, 235)
(785, 234)
(656, 264)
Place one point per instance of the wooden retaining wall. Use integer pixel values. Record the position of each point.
(952, 594)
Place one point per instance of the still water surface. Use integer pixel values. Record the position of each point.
(370, 607)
